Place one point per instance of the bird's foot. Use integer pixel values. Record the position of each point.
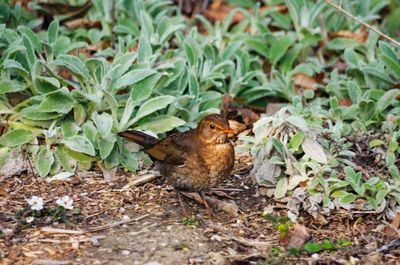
(184, 211)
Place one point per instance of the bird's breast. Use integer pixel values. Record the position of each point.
(219, 160)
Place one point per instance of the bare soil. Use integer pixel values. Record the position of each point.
(123, 224)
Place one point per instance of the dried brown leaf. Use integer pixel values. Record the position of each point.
(304, 81)
(390, 230)
(297, 236)
(361, 36)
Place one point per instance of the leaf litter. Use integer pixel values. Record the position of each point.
(139, 224)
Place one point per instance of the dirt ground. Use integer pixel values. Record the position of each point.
(120, 223)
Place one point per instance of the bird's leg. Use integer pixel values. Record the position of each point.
(209, 210)
(184, 211)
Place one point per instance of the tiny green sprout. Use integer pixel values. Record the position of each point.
(312, 247)
(191, 221)
(281, 223)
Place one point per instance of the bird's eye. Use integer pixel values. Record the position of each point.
(212, 126)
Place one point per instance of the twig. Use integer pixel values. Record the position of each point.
(113, 23)
(140, 180)
(380, 33)
(51, 262)
(52, 230)
(111, 225)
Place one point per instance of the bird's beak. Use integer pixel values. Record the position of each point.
(229, 130)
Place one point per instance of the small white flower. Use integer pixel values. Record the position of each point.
(66, 202)
(36, 203)
(292, 216)
(29, 219)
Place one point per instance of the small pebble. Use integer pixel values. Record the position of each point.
(126, 252)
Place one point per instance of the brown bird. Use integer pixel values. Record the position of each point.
(196, 160)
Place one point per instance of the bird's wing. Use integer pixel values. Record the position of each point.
(172, 150)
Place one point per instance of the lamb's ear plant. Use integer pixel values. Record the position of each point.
(287, 152)
(77, 117)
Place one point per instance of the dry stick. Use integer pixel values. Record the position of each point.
(113, 23)
(111, 225)
(380, 33)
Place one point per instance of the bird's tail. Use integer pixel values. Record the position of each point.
(145, 140)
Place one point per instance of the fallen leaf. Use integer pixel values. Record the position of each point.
(15, 165)
(304, 81)
(390, 230)
(374, 258)
(345, 102)
(314, 150)
(3, 192)
(297, 236)
(273, 108)
(360, 36)
(249, 116)
(218, 11)
(237, 126)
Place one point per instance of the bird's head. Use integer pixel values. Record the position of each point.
(214, 129)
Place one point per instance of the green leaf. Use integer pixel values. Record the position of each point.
(387, 99)
(34, 113)
(105, 145)
(279, 48)
(340, 193)
(79, 114)
(45, 84)
(376, 142)
(194, 88)
(152, 105)
(52, 32)
(129, 160)
(9, 86)
(16, 137)
(30, 52)
(89, 131)
(312, 247)
(132, 77)
(349, 172)
(258, 46)
(161, 124)
(103, 122)
(69, 128)
(231, 49)
(390, 58)
(73, 64)
(190, 52)
(355, 92)
(281, 188)
(342, 44)
(348, 198)
(33, 38)
(380, 195)
(372, 202)
(80, 144)
(66, 161)
(60, 102)
(44, 161)
(145, 50)
(142, 90)
(296, 141)
(278, 146)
